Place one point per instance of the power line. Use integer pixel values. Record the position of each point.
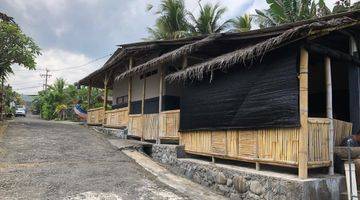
(27, 87)
(46, 76)
(65, 68)
(83, 65)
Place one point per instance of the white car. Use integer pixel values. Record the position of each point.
(20, 112)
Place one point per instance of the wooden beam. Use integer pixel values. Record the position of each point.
(131, 64)
(329, 112)
(106, 80)
(161, 86)
(323, 50)
(89, 94)
(303, 100)
(143, 106)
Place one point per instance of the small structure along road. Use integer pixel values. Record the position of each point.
(49, 160)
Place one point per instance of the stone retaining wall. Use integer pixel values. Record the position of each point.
(120, 133)
(244, 183)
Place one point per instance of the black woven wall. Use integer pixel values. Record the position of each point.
(265, 95)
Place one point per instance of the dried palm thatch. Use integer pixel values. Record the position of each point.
(253, 52)
(170, 56)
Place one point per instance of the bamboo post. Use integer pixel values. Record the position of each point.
(89, 95)
(105, 97)
(142, 107)
(329, 112)
(257, 164)
(303, 100)
(160, 103)
(131, 63)
(105, 92)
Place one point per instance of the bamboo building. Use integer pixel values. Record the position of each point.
(281, 96)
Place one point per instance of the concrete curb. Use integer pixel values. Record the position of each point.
(182, 185)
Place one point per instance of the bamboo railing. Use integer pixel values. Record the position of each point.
(271, 146)
(117, 118)
(95, 116)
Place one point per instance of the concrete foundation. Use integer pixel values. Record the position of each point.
(247, 183)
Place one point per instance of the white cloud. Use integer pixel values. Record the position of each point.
(61, 64)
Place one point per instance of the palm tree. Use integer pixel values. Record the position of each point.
(242, 23)
(171, 23)
(208, 20)
(287, 11)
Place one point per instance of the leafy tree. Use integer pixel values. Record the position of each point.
(15, 48)
(58, 100)
(345, 5)
(242, 23)
(287, 11)
(171, 23)
(208, 21)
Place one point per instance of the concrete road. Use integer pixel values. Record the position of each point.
(49, 160)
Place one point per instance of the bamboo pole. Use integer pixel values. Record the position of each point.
(131, 64)
(304, 135)
(329, 112)
(89, 95)
(142, 107)
(160, 103)
(106, 80)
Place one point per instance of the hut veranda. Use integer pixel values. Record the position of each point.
(280, 96)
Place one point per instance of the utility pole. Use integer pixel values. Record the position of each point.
(46, 76)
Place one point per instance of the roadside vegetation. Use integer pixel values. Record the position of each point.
(174, 21)
(16, 48)
(58, 101)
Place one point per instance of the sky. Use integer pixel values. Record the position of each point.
(77, 36)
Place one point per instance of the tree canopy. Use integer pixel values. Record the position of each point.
(15, 47)
(59, 99)
(209, 19)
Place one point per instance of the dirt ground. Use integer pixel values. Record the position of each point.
(49, 160)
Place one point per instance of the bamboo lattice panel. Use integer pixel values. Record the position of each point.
(318, 139)
(279, 144)
(135, 125)
(95, 116)
(151, 126)
(169, 124)
(267, 145)
(117, 118)
(341, 130)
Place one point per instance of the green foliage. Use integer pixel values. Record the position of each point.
(171, 23)
(15, 48)
(287, 11)
(59, 99)
(12, 98)
(208, 20)
(242, 23)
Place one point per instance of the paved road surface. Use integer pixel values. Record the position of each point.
(47, 160)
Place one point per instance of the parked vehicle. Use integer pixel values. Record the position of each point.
(20, 112)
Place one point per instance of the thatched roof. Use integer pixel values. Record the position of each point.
(255, 51)
(187, 46)
(170, 56)
(204, 41)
